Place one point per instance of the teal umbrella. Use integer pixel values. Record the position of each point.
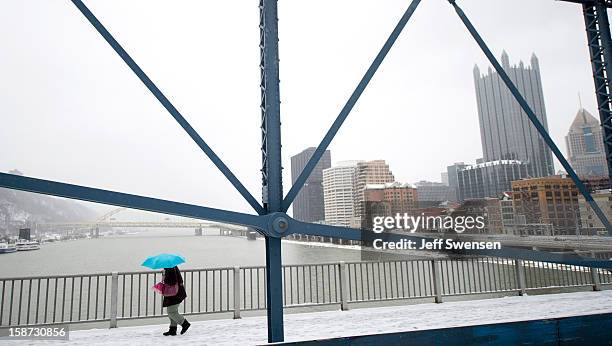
(164, 260)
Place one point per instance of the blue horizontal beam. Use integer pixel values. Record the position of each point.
(169, 106)
(591, 329)
(606, 3)
(298, 227)
(569, 258)
(119, 199)
(346, 110)
(261, 223)
(532, 117)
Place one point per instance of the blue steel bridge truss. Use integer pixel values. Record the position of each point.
(600, 49)
(271, 219)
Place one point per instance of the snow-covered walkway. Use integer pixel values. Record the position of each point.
(317, 325)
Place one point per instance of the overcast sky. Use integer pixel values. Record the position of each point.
(73, 111)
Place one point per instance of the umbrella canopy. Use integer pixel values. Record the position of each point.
(164, 260)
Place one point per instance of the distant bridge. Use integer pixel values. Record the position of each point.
(94, 227)
(139, 224)
(106, 221)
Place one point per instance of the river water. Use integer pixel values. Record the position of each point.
(126, 252)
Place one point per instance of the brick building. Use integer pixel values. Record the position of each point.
(548, 200)
(387, 200)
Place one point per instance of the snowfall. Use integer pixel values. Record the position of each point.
(319, 325)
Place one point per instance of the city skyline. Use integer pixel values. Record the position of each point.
(221, 118)
(88, 106)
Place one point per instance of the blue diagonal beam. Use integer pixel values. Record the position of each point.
(346, 110)
(169, 106)
(119, 199)
(299, 227)
(532, 117)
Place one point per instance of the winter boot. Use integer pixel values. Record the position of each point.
(171, 331)
(184, 326)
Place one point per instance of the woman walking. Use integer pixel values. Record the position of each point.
(172, 276)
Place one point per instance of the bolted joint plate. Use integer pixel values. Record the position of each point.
(278, 225)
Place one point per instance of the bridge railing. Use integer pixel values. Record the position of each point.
(478, 275)
(116, 296)
(55, 299)
(390, 280)
(209, 290)
(605, 276)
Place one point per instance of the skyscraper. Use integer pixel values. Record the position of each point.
(585, 148)
(339, 193)
(368, 172)
(308, 205)
(505, 131)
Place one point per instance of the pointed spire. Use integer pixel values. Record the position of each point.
(535, 63)
(505, 60)
(476, 72)
(583, 118)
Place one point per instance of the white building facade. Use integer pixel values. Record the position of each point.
(339, 193)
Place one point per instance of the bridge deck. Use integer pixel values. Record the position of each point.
(319, 325)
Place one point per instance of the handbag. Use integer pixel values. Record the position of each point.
(166, 290)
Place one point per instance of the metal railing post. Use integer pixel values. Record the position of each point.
(520, 277)
(595, 279)
(114, 298)
(595, 275)
(236, 292)
(344, 286)
(436, 274)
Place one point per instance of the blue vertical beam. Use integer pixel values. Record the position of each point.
(168, 106)
(274, 292)
(346, 110)
(272, 183)
(534, 119)
(600, 50)
(270, 107)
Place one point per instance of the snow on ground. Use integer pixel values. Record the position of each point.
(317, 325)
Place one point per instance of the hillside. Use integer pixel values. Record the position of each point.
(17, 207)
